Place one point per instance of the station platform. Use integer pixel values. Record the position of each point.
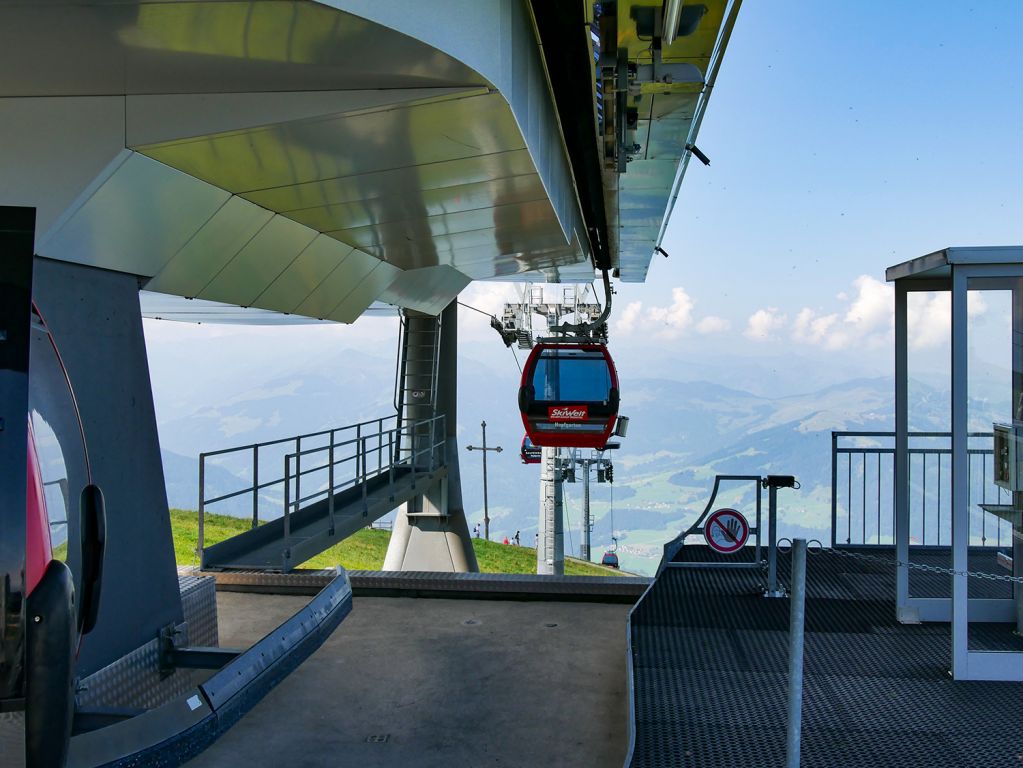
(709, 670)
(489, 586)
(437, 683)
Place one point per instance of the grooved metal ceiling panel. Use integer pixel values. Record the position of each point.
(640, 200)
(257, 128)
(200, 259)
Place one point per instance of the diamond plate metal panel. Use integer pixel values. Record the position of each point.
(134, 680)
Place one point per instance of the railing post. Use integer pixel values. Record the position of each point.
(834, 487)
(330, 482)
(390, 467)
(380, 446)
(255, 486)
(298, 473)
(365, 506)
(287, 499)
(200, 548)
(772, 543)
(359, 458)
(797, 608)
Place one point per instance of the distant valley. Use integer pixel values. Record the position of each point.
(682, 433)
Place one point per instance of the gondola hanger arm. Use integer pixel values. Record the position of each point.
(587, 329)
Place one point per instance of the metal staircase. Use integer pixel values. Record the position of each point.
(333, 483)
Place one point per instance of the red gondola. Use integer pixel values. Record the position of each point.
(530, 453)
(610, 559)
(65, 605)
(569, 395)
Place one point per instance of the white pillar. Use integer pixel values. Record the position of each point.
(960, 478)
(550, 549)
(901, 453)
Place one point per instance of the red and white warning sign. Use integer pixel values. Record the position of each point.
(726, 530)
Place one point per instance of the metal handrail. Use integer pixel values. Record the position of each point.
(929, 516)
(358, 449)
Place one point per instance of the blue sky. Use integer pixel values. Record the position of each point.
(844, 137)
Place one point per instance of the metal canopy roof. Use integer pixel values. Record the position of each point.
(313, 158)
(939, 263)
(284, 155)
(669, 115)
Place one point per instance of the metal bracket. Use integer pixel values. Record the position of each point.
(174, 656)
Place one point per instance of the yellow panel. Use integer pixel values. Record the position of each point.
(693, 49)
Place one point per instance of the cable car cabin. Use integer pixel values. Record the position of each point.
(58, 484)
(569, 395)
(530, 453)
(610, 559)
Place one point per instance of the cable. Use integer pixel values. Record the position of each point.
(611, 512)
(568, 521)
(474, 309)
(514, 355)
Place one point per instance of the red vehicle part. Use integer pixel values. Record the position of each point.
(38, 551)
(568, 396)
(529, 452)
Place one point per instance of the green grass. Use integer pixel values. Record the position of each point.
(364, 550)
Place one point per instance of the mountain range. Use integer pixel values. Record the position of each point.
(681, 434)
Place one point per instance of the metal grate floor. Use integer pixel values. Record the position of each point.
(709, 674)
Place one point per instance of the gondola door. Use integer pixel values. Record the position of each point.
(17, 235)
(569, 395)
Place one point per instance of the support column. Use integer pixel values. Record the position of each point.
(430, 532)
(960, 479)
(1017, 416)
(95, 318)
(550, 550)
(584, 551)
(902, 610)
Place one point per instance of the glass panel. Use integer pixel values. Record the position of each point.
(58, 440)
(930, 423)
(993, 393)
(572, 376)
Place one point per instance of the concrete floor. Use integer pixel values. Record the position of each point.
(446, 682)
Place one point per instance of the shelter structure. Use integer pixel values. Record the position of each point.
(985, 286)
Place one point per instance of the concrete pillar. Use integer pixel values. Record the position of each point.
(550, 550)
(584, 551)
(430, 532)
(95, 318)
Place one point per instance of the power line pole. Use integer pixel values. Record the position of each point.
(584, 549)
(486, 509)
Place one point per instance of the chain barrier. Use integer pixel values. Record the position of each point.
(928, 568)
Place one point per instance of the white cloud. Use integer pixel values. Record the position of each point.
(673, 320)
(929, 317)
(869, 320)
(668, 322)
(630, 316)
(872, 306)
(713, 324)
(811, 328)
(764, 322)
(867, 323)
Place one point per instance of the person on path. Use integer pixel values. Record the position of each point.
(517, 541)
(506, 541)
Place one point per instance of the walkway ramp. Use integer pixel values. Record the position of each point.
(270, 548)
(333, 483)
(708, 670)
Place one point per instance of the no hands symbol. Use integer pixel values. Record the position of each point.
(726, 531)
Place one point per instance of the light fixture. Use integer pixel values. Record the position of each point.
(699, 155)
(669, 25)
